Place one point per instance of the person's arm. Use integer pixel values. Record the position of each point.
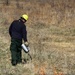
(10, 29)
(24, 32)
(25, 36)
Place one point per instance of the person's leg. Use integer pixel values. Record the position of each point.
(19, 51)
(19, 55)
(13, 50)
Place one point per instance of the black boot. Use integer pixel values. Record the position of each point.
(14, 63)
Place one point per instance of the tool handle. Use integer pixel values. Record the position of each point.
(30, 56)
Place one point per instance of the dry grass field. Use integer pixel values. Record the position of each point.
(51, 34)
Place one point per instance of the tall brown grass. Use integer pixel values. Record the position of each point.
(51, 33)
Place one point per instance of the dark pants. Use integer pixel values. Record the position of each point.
(16, 54)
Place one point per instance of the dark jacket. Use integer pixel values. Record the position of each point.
(17, 30)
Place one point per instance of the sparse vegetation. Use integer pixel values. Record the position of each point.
(51, 34)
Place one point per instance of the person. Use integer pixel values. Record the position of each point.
(18, 32)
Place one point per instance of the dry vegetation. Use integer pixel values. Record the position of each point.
(51, 34)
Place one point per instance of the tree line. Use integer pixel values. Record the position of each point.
(7, 2)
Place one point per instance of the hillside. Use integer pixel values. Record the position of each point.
(51, 34)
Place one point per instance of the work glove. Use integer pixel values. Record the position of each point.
(26, 44)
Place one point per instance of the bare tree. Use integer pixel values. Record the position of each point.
(17, 3)
(7, 2)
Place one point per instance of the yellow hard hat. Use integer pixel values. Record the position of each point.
(25, 17)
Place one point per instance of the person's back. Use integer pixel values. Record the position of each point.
(17, 30)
